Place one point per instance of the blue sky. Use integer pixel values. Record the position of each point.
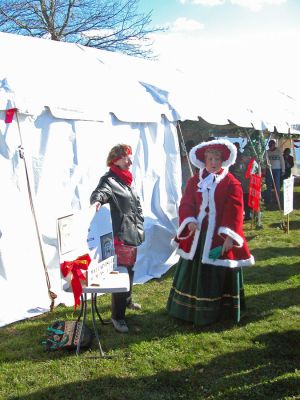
(254, 40)
(267, 31)
(261, 23)
(210, 18)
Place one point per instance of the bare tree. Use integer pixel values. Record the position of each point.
(114, 25)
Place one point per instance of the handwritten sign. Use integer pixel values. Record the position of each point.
(98, 271)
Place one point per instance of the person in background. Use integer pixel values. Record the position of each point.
(210, 138)
(237, 166)
(288, 162)
(208, 281)
(116, 188)
(278, 170)
(238, 169)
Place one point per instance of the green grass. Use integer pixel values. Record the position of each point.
(162, 359)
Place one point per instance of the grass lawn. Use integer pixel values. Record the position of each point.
(162, 359)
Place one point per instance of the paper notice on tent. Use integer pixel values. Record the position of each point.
(288, 195)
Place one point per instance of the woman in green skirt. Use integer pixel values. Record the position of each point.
(208, 281)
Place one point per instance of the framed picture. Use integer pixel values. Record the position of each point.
(107, 245)
(67, 237)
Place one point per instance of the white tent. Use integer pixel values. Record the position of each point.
(73, 104)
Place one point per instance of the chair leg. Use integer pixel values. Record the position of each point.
(103, 322)
(81, 308)
(82, 312)
(94, 296)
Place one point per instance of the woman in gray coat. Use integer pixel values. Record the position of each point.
(115, 187)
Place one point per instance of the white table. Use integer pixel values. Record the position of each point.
(112, 283)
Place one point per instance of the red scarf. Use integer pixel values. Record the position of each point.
(123, 174)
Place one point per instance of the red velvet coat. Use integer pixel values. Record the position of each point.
(219, 211)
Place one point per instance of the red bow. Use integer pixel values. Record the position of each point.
(75, 268)
(9, 115)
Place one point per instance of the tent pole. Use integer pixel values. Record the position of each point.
(184, 149)
(51, 294)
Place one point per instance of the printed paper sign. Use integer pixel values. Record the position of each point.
(288, 195)
(254, 192)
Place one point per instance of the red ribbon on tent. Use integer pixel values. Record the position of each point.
(75, 268)
(254, 192)
(9, 115)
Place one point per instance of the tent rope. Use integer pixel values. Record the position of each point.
(51, 294)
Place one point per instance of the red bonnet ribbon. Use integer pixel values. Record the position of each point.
(9, 115)
(75, 268)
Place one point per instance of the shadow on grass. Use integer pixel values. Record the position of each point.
(260, 306)
(271, 273)
(296, 200)
(272, 252)
(263, 372)
(293, 225)
(145, 326)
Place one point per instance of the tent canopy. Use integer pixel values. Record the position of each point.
(73, 81)
(73, 104)
(87, 83)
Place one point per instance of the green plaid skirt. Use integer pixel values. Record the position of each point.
(204, 294)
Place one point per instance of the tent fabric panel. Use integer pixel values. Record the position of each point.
(65, 160)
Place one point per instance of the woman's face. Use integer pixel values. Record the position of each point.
(213, 162)
(124, 163)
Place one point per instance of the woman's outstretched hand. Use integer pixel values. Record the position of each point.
(192, 227)
(227, 245)
(98, 205)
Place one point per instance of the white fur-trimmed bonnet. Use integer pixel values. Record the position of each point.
(227, 149)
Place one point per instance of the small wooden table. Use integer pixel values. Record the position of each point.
(115, 282)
